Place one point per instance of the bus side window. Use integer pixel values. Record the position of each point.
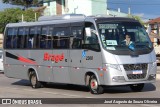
(61, 38)
(26, 33)
(20, 38)
(43, 38)
(31, 38)
(9, 37)
(50, 37)
(91, 41)
(37, 37)
(14, 38)
(76, 40)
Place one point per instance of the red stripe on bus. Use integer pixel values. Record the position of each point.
(22, 59)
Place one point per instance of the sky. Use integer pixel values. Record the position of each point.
(4, 5)
(147, 9)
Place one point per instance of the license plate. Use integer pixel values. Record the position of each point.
(137, 72)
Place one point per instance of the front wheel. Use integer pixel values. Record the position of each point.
(33, 80)
(137, 87)
(94, 87)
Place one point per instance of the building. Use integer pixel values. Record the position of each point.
(153, 29)
(87, 7)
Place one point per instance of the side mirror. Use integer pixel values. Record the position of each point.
(88, 31)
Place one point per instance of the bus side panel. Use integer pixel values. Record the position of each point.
(61, 66)
(93, 60)
(43, 66)
(13, 65)
(76, 70)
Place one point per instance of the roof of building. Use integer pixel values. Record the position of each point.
(156, 20)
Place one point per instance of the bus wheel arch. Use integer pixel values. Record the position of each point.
(33, 78)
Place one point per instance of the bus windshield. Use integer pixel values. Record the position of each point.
(124, 36)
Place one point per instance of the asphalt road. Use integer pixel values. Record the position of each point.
(17, 88)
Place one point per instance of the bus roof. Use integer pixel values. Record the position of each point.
(69, 18)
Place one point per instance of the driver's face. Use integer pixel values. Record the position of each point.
(128, 37)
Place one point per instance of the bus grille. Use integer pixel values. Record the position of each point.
(136, 71)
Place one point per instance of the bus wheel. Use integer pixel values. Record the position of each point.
(137, 87)
(94, 87)
(34, 82)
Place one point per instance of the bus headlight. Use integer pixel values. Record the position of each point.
(118, 79)
(115, 66)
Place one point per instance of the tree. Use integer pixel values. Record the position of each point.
(26, 3)
(14, 15)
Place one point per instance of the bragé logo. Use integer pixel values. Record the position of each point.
(53, 57)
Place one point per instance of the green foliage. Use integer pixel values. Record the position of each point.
(14, 15)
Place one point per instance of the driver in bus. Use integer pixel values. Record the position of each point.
(127, 40)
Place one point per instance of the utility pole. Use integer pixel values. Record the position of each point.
(22, 18)
(129, 7)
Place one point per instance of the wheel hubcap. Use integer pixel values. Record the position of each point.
(94, 84)
(33, 80)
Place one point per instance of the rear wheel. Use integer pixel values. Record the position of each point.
(33, 80)
(94, 87)
(137, 87)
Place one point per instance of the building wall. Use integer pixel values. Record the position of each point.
(87, 7)
(80, 7)
(51, 8)
(99, 7)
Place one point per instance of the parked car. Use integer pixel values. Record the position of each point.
(1, 61)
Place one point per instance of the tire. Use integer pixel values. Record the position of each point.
(43, 84)
(34, 82)
(137, 87)
(94, 87)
